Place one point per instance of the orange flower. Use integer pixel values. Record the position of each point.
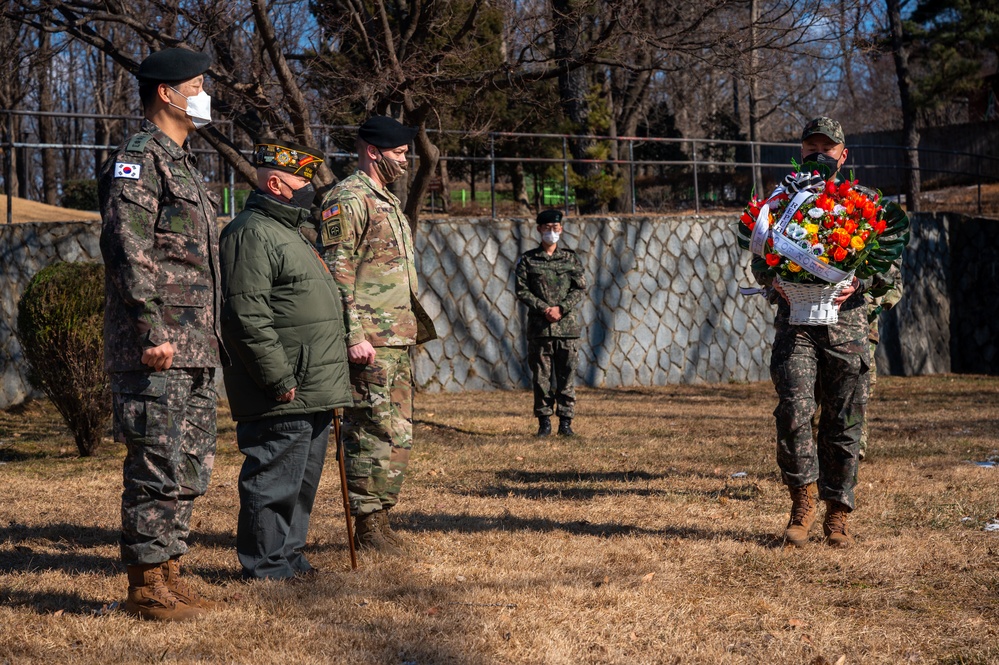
(838, 254)
(850, 226)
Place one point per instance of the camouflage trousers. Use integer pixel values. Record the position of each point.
(553, 362)
(804, 364)
(378, 430)
(167, 422)
(870, 394)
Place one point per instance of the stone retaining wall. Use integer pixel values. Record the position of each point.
(663, 305)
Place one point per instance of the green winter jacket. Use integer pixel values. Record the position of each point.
(282, 322)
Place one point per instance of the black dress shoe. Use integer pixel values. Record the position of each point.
(565, 427)
(544, 426)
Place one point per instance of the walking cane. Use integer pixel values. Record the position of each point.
(343, 488)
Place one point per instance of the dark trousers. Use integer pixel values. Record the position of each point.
(277, 488)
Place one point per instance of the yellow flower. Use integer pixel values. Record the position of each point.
(857, 243)
(811, 229)
(824, 259)
(793, 267)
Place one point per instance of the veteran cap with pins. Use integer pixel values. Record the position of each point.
(384, 132)
(825, 126)
(288, 157)
(173, 64)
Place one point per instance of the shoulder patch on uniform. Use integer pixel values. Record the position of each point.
(138, 142)
(334, 229)
(126, 170)
(332, 211)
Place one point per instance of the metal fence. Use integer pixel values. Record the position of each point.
(649, 174)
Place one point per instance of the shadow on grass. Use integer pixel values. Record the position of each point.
(47, 602)
(463, 523)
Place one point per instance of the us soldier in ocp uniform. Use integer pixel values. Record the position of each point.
(369, 247)
(551, 283)
(832, 362)
(162, 342)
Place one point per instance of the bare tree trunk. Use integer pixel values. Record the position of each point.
(445, 188)
(910, 131)
(520, 188)
(46, 103)
(754, 91)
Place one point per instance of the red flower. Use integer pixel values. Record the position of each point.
(879, 226)
(798, 216)
(850, 226)
(773, 259)
(839, 253)
(844, 188)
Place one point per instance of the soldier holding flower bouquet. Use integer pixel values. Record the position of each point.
(820, 243)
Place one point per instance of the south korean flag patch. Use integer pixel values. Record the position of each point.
(124, 170)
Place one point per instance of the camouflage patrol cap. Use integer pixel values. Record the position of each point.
(549, 217)
(825, 126)
(173, 64)
(384, 132)
(288, 157)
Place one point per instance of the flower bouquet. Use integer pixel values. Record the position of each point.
(812, 235)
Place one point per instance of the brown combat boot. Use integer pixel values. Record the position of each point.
(804, 510)
(150, 598)
(834, 525)
(184, 592)
(369, 534)
(391, 533)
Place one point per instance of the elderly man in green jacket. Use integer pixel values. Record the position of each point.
(282, 324)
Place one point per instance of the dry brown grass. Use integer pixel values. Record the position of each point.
(24, 210)
(630, 544)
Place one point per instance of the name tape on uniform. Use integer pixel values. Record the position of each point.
(123, 170)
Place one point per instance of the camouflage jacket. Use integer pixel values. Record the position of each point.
(368, 245)
(545, 281)
(159, 241)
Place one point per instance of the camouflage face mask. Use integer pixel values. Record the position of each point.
(389, 170)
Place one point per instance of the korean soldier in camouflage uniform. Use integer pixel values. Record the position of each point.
(830, 361)
(162, 340)
(550, 282)
(369, 247)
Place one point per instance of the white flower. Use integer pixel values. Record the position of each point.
(838, 209)
(816, 213)
(818, 249)
(795, 232)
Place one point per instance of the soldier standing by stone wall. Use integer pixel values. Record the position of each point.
(162, 341)
(369, 247)
(550, 282)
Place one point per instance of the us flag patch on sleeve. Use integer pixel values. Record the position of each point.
(332, 211)
(123, 170)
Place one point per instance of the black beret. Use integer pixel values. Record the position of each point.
(549, 217)
(174, 64)
(384, 132)
(289, 157)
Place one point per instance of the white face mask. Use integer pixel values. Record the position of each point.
(551, 237)
(199, 108)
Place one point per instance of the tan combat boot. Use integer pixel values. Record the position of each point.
(834, 525)
(391, 533)
(184, 592)
(369, 535)
(803, 513)
(150, 598)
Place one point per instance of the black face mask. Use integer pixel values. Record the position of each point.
(821, 162)
(303, 197)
